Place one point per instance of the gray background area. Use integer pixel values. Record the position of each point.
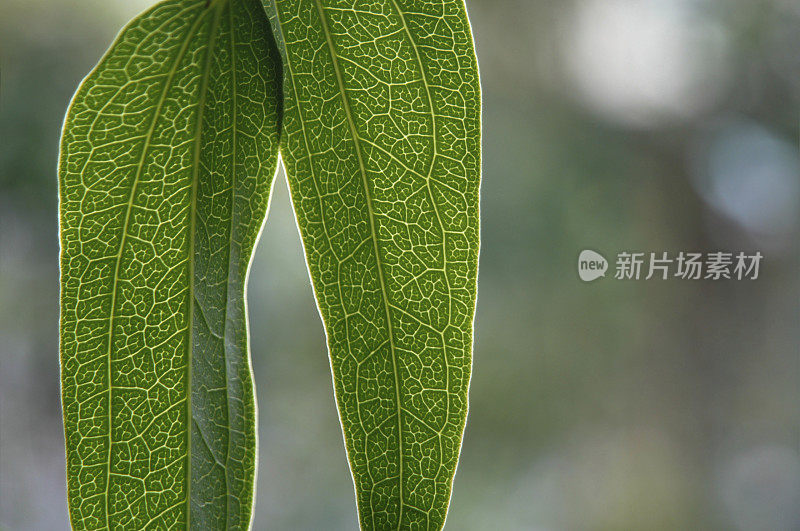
(609, 124)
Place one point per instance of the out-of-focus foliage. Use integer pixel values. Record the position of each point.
(609, 124)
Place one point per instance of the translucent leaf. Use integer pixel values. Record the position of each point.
(381, 143)
(168, 152)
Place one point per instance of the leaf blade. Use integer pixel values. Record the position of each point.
(382, 130)
(153, 198)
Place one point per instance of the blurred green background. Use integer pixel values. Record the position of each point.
(614, 125)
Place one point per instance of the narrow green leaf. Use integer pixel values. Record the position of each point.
(382, 149)
(169, 149)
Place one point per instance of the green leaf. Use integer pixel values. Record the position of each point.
(381, 142)
(169, 149)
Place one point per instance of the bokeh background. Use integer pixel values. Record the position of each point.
(614, 125)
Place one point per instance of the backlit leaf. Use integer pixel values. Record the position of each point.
(168, 153)
(381, 142)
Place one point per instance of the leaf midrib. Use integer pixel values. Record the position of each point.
(378, 261)
(123, 240)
